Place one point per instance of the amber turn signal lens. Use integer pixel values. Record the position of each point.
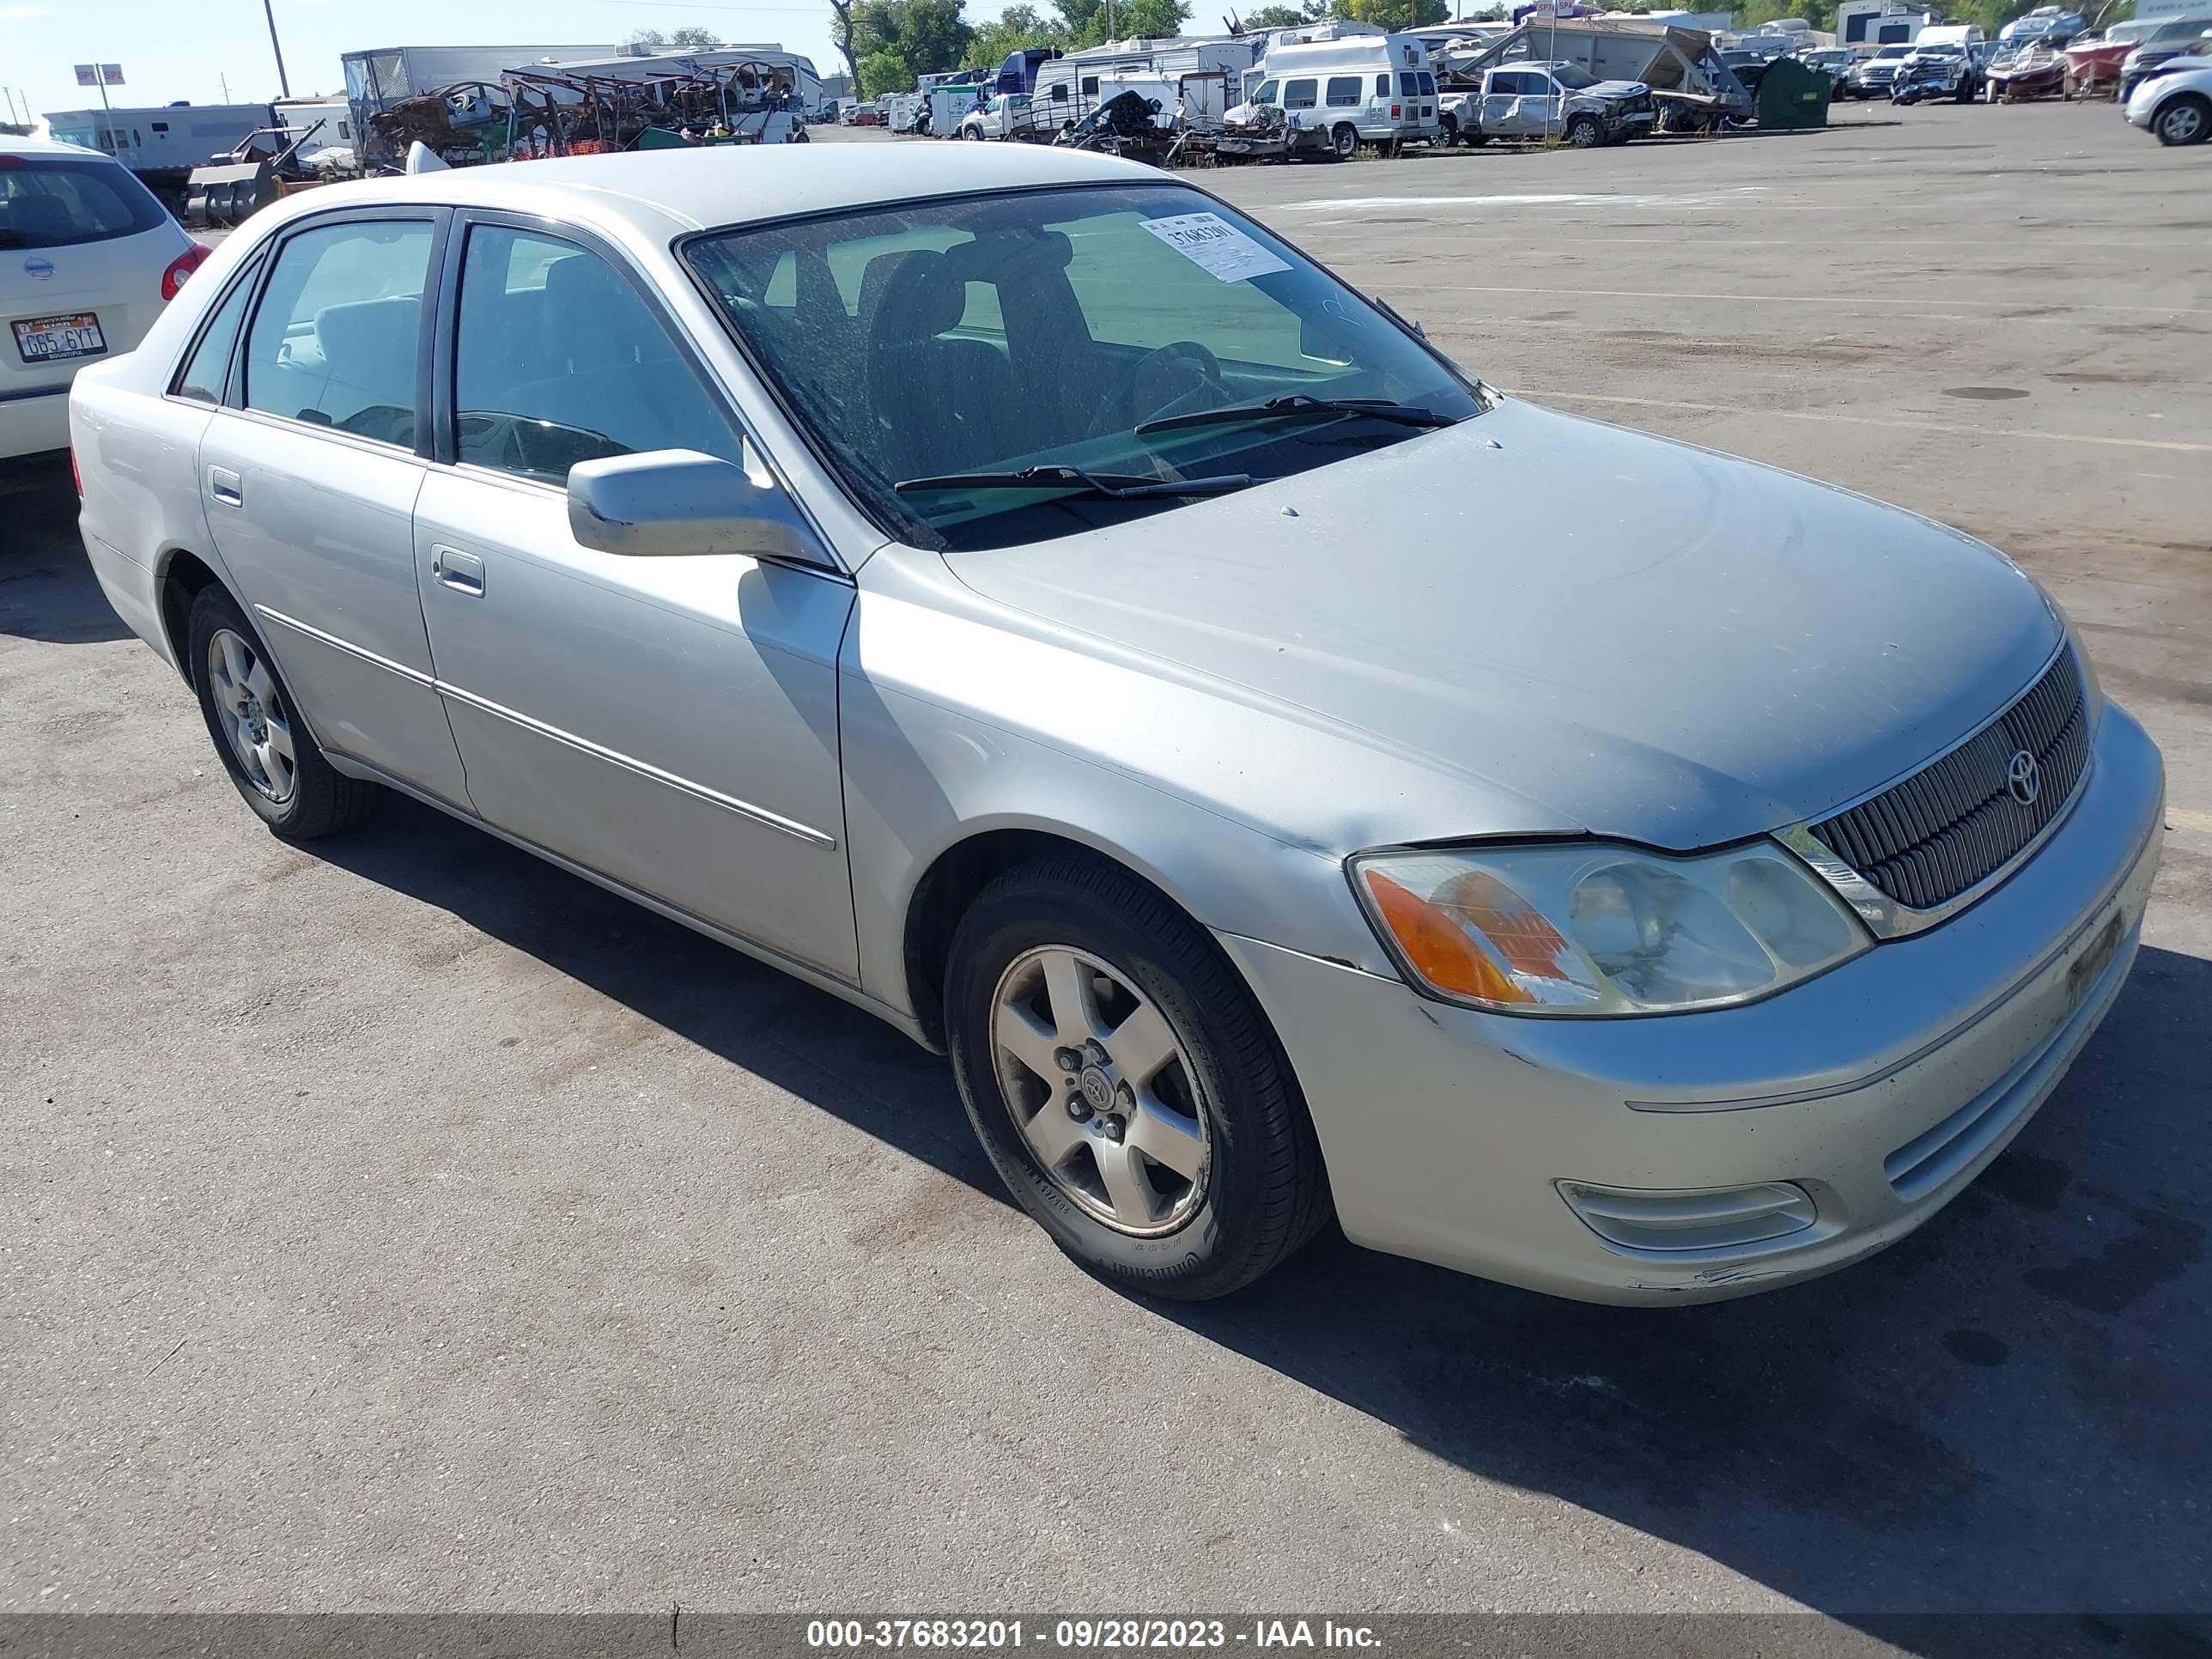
(1436, 947)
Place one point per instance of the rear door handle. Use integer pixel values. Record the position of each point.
(226, 486)
(462, 572)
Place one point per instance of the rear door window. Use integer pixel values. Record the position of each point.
(60, 202)
(1409, 85)
(335, 341)
(1428, 84)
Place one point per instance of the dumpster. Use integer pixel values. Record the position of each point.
(1792, 95)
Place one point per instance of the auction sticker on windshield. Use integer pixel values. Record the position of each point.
(1215, 245)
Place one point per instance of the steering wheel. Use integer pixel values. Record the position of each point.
(1177, 378)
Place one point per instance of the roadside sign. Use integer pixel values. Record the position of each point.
(88, 74)
(111, 74)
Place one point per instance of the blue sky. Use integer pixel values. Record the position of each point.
(172, 49)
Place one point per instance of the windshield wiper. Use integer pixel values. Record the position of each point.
(1118, 486)
(1297, 406)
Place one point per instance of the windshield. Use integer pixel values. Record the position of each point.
(1893, 51)
(1042, 329)
(59, 202)
(1571, 78)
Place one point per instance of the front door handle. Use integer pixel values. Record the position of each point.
(462, 572)
(226, 486)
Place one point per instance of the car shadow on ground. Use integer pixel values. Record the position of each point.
(2003, 1412)
(47, 590)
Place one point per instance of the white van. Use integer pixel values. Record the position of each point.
(1364, 87)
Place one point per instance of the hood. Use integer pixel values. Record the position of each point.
(1648, 639)
(1613, 90)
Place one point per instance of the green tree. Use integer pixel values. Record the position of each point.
(693, 39)
(1394, 14)
(1273, 17)
(1017, 27)
(643, 41)
(1088, 22)
(924, 36)
(882, 72)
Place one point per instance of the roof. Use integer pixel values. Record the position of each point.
(665, 191)
(11, 144)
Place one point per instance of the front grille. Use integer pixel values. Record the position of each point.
(1956, 821)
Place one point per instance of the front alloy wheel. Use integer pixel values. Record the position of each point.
(1125, 1083)
(2184, 121)
(1100, 1089)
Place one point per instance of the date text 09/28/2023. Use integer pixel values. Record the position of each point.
(1110, 1634)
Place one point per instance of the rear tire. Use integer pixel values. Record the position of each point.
(263, 744)
(1070, 947)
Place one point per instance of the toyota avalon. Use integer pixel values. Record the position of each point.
(1017, 593)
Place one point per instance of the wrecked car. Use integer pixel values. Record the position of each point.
(1551, 102)
(1690, 88)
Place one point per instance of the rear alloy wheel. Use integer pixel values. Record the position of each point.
(1125, 1084)
(1344, 139)
(1584, 133)
(2186, 120)
(266, 748)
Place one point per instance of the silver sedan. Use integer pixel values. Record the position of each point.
(1015, 592)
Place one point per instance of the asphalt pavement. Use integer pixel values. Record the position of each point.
(400, 1222)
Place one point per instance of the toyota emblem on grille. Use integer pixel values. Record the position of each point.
(2023, 778)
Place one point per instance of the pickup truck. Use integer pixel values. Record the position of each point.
(1009, 115)
(1546, 101)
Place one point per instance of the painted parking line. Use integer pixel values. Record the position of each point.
(1550, 394)
(2197, 822)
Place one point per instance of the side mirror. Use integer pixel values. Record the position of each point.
(675, 502)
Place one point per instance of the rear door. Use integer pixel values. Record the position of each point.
(309, 473)
(671, 723)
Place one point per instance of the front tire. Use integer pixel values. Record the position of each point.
(271, 757)
(1125, 1085)
(1344, 139)
(1584, 133)
(2184, 120)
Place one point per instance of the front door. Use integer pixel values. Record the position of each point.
(671, 723)
(309, 475)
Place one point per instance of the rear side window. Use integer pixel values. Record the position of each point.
(557, 359)
(337, 338)
(1381, 86)
(208, 367)
(1343, 89)
(60, 202)
(1299, 95)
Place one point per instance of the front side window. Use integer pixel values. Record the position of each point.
(1343, 90)
(1266, 93)
(1299, 95)
(336, 338)
(557, 360)
(58, 202)
(205, 371)
(1129, 331)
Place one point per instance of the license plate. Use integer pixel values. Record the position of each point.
(2095, 957)
(51, 339)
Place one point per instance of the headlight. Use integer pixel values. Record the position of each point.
(1583, 928)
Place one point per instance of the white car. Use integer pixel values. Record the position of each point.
(87, 259)
(2175, 104)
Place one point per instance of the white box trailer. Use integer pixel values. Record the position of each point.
(163, 144)
(1206, 71)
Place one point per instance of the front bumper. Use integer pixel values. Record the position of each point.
(1879, 1089)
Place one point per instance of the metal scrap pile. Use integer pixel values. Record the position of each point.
(531, 113)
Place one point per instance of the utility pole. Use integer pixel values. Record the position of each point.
(269, 10)
(225, 79)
